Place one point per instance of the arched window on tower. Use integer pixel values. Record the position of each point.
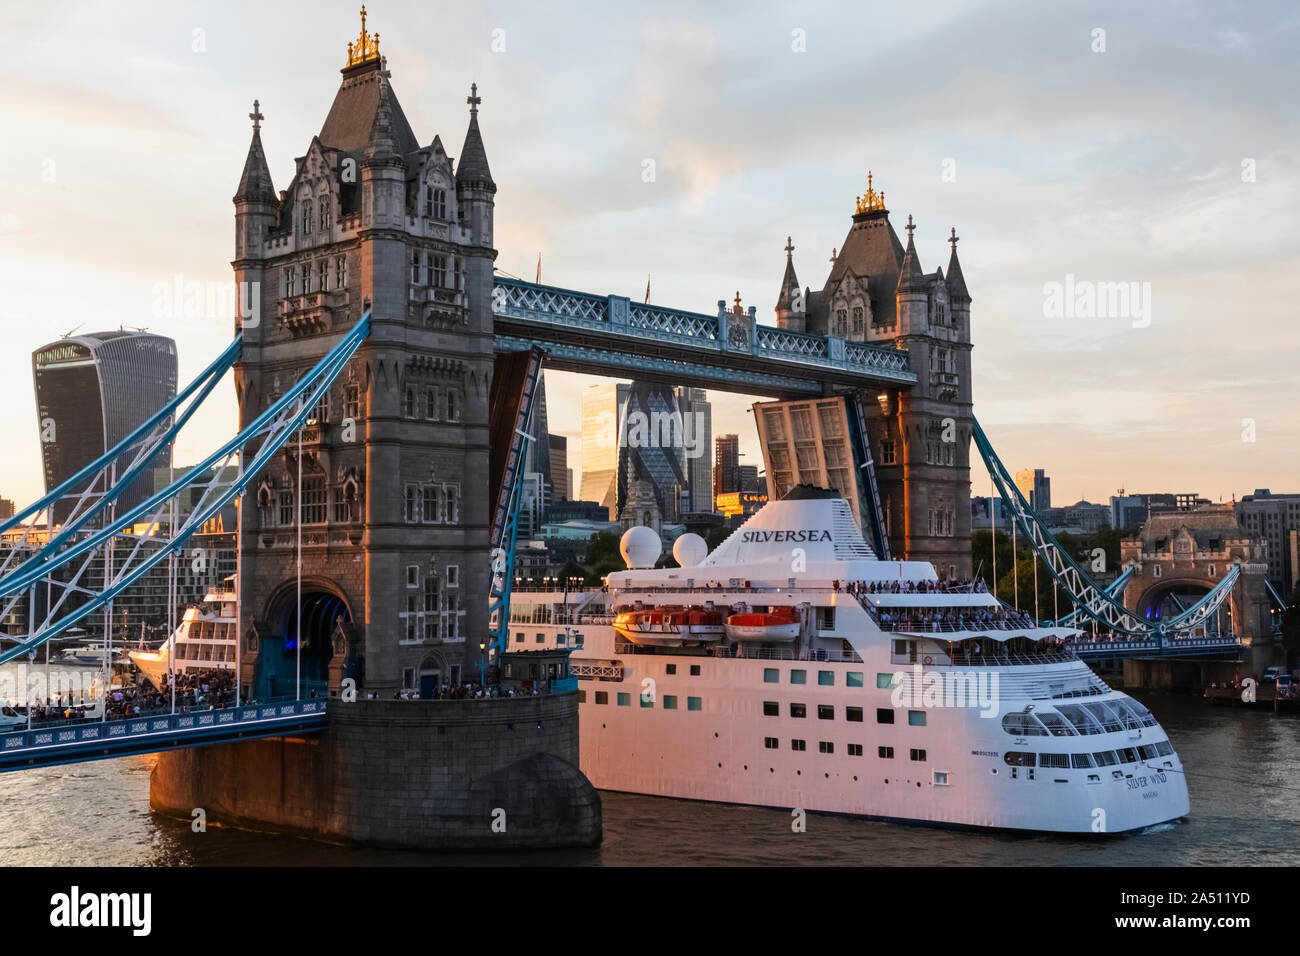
(323, 275)
(415, 268)
(428, 202)
(431, 404)
(841, 322)
(306, 218)
(409, 403)
(453, 412)
(325, 214)
(857, 320)
(440, 204)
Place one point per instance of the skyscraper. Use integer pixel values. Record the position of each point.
(1036, 487)
(560, 470)
(697, 414)
(726, 465)
(601, 425)
(92, 391)
(538, 457)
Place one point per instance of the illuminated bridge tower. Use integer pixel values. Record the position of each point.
(877, 293)
(394, 464)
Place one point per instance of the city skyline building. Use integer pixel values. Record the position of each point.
(92, 391)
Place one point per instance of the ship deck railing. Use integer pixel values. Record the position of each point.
(1003, 659)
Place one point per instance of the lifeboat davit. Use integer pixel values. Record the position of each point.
(778, 626)
(670, 627)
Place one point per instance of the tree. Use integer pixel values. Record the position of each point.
(602, 548)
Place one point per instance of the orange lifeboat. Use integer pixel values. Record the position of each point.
(779, 625)
(670, 626)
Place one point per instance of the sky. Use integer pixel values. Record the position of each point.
(1075, 144)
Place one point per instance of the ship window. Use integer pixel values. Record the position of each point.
(582, 696)
(1083, 721)
(1059, 761)
(916, 718)
(1080, 761)
(519, 637)
(1016, 758)
(826, 678)
(853, 714)
(771, 708)
(695, 670)
(941, 778)
(1165, 748)
(885, 753)
(798, 710)
(798, 745)
(798, 677)
(825, 746)
(884, 681)
(853, 679)
(1148, 751)
(825, 712)
(624, 700)
(771, 675)
(826, 619)
(1055, 724)
(541, 639)
(693, 703)
(1104, 715)
(884, 715)
(1093, 778)
(670, 702)
(1105, 758)
(1023, 725)
(770, 743)
(855, 750)
(671, 669)
(647, 700)
(1127, 755)
(602, 697)
(917, 755)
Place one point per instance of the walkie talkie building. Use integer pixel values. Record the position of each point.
(92, 390)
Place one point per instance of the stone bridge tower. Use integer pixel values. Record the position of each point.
(395, 462)
(1178, 556)
(921, 437)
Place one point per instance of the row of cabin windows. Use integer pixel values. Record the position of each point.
(1101, 758)
(884, 715)
(320, 276)
(772, 675)
(431, 269)
(431, 504)
(670, 701)
(828, 747)
(672, 669)
(424, 403)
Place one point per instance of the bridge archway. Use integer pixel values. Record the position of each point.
(1165, 598)
(324, 608)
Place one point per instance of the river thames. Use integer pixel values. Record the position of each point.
(1243, 766)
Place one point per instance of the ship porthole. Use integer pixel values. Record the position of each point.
(855, 779)
(827, 776)
(746, 766)
(995, 771)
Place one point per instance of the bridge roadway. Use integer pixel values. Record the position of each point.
(78, 742)
(612, 335)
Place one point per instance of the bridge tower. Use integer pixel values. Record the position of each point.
(394, 529)
(877, 293)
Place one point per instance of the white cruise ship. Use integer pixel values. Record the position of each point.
(204, 640)
(791, 668)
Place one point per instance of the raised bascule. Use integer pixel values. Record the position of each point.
(384, 375)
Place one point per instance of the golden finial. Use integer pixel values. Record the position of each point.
(366, 47)
(872, 201)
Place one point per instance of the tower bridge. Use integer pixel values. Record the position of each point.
(384, 380)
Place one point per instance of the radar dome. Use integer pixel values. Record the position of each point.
(690, 550)
(640, 547)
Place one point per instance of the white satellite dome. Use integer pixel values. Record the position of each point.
(690, 550)
(640, 547)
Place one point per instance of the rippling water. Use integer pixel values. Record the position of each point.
(1243, 773)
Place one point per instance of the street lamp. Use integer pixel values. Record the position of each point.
(482, 646)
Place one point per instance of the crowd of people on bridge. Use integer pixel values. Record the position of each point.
(200, 690)
(467, 691)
